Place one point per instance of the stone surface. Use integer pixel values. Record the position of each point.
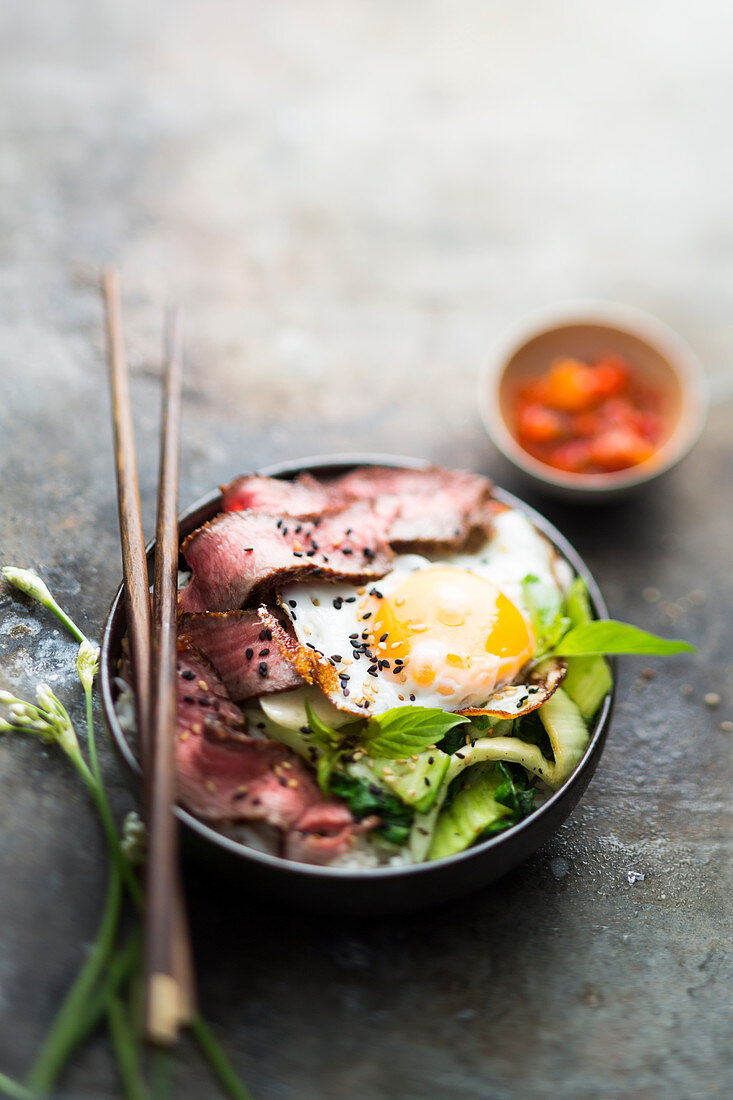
(351, 201)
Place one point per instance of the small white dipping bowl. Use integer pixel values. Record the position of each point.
(587, 331)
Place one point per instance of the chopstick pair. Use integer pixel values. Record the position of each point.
(169, 979)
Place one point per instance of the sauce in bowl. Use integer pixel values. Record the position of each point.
(588, 417)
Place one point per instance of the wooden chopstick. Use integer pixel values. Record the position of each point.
(169, 963)
(134, 563)
(164, 996)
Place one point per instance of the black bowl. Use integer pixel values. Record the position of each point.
(372, 890)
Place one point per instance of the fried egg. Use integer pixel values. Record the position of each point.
(452, 633)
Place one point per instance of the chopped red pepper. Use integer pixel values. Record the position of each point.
(588, 417)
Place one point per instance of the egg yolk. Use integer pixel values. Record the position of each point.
(452, 631)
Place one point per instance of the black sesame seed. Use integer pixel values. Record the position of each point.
(427, 781)
(369, 554)
(188, 699)
(188, 674)
(384, 638)
(431, 760)
(351, 638)
(412, 698)
(299, 528)
(263, 670)
(372, 672)
(264, 652)
(367, 615)
(310, 553)
(297, 554)
(279, 523)
(346, 692)
(285, 530)
(336, 657)
(347, 551)
(268, 634)
(292, 603)
(249, 653)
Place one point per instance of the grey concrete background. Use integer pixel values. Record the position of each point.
(351, 201)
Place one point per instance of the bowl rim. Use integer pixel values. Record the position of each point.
(340, 463)
(606, 314)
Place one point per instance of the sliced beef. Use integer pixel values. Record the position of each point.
(223, 774)
(203, 701)
(434, 510)
(239, 556)
(302, 497)
(239, 646)
(321, 833)
(438, 510)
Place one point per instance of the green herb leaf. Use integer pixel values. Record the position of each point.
(607, 636)
(403, 731)
(365, 798)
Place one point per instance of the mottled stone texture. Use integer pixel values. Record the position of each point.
(351, 200)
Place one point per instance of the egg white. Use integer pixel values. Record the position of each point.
(327, 618)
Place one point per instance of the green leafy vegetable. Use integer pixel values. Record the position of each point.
(473, 812)
(403, 731)
(587, 679)
(417, 780)
(568, 734)
(364, 798)
(454, 739)
(320, 728)
(604, 636)
(514, 792)
(324, 769)
(546, 612)
(529, 728)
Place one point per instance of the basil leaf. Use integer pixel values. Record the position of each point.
(607, 636)
(403, 731)
(545, 610)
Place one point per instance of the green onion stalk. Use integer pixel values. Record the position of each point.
(96, 992)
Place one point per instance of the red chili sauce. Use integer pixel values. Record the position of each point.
(588, 418)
